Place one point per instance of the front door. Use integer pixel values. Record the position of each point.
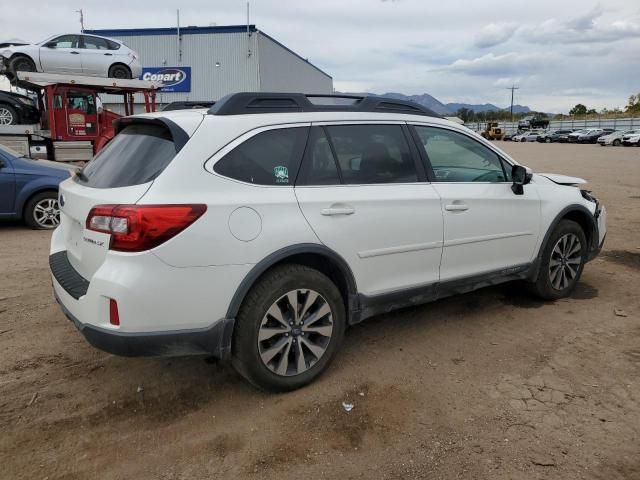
(61, 55)
(364, 195)
(81, 115)
(487, 228)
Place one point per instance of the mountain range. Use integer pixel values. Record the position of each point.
(449, 108)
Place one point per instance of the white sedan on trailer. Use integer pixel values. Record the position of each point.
(73, 54)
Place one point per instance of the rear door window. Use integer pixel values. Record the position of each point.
(135, 156)
(268, 158)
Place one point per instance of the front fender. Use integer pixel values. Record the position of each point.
(27, 189)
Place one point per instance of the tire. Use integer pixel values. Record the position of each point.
(22, 64)
(8, 115)
(41, 211)
(556, 277)
(119, 71)
(547, 140)
(616, 142)
(256, 361)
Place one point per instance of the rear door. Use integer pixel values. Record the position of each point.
(120, 174)
(487, 228)
(365, 196)
(61, 55)
(97, 56)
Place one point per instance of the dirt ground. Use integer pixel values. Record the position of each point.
(489, 385)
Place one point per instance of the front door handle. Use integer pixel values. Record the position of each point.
(75, 53)
(338, 210)
(456, 207)
(109, 54)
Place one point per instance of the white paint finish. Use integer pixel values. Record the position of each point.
(245, 224)
(564, 179)
(402, 249)
(493, 232)
(387, 219)
(390, 235)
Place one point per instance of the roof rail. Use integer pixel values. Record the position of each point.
(263, 102)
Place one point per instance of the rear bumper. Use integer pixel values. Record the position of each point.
(214, 340)
(163, 310)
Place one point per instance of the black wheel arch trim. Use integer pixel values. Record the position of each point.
(592, 249)
(280, 255)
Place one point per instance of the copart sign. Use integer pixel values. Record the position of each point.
(173, 79)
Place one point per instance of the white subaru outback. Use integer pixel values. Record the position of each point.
(260, 229)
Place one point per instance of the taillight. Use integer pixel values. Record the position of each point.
(135, 228)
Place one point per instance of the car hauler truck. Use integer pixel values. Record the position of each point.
(73, 125)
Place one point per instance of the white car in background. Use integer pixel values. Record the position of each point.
(614, 138)
(258, 230)
(527, 136)
(631, 137)
(73, 54)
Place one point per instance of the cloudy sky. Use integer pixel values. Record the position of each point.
(559, 52)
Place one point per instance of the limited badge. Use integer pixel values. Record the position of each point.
(281, 174)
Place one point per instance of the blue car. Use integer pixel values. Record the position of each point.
(29, 189)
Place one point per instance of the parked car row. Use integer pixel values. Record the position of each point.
(601, 136)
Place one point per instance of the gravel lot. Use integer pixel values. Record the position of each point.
(492, 384)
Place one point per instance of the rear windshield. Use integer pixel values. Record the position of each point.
(136, 155)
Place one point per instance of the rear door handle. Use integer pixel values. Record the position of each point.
(338, 210)
(75, 53)
(109, 54)
(456, 207)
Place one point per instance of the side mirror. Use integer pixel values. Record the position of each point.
(50, 45)
(521, 175)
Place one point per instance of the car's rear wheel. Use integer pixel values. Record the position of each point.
(616, 142)
(119, 71)
(22, 64)
(562, 261)
(8, 116)
(547, 140)
(288, 329)
(42, 211)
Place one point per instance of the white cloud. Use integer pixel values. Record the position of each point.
(494, 34)
(505, 64)
(587, 28)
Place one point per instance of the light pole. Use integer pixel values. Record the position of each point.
(512, 88)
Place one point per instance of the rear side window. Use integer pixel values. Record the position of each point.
(135, 156)
(268, 158)
(358, 154)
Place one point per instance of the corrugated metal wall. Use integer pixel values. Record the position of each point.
(283, 71)
(238, 71)
(246, 63)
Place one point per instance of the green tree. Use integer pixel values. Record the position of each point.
(634, 104)
(579, 109)
(465, 114)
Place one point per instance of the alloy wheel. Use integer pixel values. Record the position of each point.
(295, 332)
(46, 213)
(565, 261)
(6, 116)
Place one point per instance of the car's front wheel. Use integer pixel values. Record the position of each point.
(616, 142)
(288, 329)
(562, 261)
(119, 71)
(42, 211)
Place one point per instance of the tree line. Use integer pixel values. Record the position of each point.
(580, 110)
